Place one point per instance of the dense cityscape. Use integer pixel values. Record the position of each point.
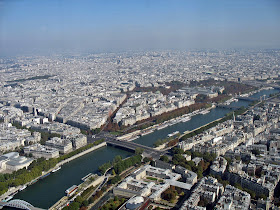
(56, 109)
(140, 105)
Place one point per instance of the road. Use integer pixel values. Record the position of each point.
(102, 135)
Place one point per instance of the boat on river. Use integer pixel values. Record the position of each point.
(71, 190)
(8, 198)
(44, 176)
(133, 138)
(146, 132)
(173, 134)
(162, 126)
(34, 181)
(57, 169)
(185, 119)
(22, 188)
(204, 112)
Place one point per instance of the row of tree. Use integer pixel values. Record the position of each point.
(230, 87)
(119, 165)
(162, 141)
(79, 203)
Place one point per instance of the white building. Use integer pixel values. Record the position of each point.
(62, 145)
(13, 162)
(38, 151)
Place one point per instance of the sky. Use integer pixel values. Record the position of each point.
(40, 26)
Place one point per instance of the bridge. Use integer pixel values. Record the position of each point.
(247, 98)
(227, 106)
(19, 204)
(148, 151)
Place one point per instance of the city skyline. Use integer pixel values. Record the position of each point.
(88, 26)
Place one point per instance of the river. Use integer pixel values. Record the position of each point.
(46, 192)
(197, 120)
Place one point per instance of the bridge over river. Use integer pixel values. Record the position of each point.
(148, 151)
(247, 98)
(18, 204)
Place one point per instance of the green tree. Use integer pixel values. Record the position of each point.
(85, 203)
(91, 200)
(139, 151)
(164, 158)
(79, 199)
(146, 160)
(177, 150)
(117, 159)
(177, 159)
(256, 152)
(113, 172)
(74, 206)
(115, 179)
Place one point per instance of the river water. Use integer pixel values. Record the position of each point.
(46, 192)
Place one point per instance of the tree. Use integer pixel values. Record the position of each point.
(146, 160)
(177, 150)
(177, 159)
(74, 206)
(139, 151)
(113, 172)
(115, 179)
(85, 203)
(91, 200)
(117, 159)
(164, 158)
(79, 199)
(256, 152)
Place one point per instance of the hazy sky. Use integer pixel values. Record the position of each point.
(81, 25)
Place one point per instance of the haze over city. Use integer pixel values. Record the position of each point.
(63, 26)
(140, 105)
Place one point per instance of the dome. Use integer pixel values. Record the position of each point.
(135, 202)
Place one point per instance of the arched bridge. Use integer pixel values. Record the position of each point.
(19, 204)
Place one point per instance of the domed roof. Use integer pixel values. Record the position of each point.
(134, 202)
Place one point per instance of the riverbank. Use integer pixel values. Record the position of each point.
(186, 117)
(81, 188)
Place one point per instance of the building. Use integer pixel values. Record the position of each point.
(218, 166)
(62, 145)
(233, 198)
(190, 176)
(38, 151)
(149, 181)
(78, 141)
(13, 162)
